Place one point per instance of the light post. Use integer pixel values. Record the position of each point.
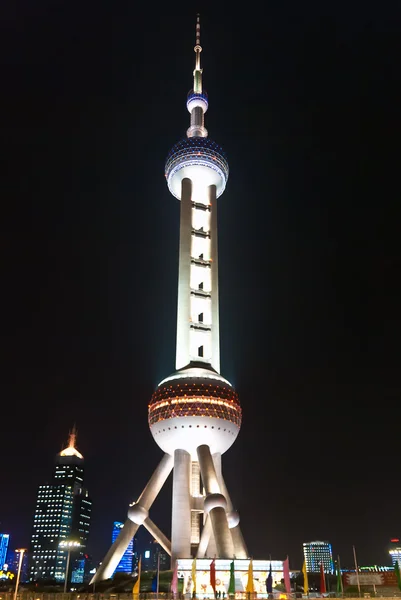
(21, 556)
(67, 545)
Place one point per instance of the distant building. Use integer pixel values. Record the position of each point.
(62, 512)
(317, 553)
(150, 551)
(12, 563)
(4, 539)
(395, 551)
(125, 564)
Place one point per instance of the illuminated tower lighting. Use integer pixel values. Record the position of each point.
(194, 414)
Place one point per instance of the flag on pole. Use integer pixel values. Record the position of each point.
(137, 586)
(322, 580)
(231, 585)
(269, 581)
(339, 578)
(249, 585)
(286, 570)
(174, 580)
(397, 573)
(213, 575)
(305, 574)
(194, 576)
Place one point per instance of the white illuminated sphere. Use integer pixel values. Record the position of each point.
(192, 407)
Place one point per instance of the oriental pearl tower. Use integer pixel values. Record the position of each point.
(194, 414)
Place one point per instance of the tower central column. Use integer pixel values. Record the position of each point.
(182, 358)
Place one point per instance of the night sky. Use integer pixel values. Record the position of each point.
(305, 100)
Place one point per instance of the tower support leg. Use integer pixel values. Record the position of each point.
(181, 510)
(115, 552)
(204, 540)
(240, 549)
(137, 514)
(158, 535)
(215, 503)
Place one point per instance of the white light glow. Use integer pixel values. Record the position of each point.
(195, 372)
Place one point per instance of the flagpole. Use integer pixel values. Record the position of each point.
(357, 572)
(157, 574)
(339, 570)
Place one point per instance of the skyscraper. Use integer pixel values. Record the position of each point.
(194, 414)
(125, 564)
(4, 539)
(395, 551)
(63, 511)
(317, 553)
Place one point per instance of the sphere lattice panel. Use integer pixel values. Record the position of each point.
(201, 160)
(192, 407)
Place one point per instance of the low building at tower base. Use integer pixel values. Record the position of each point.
(222, 565)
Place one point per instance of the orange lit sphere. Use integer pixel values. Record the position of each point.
(192, 407)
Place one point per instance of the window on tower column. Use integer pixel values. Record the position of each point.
(201, 285)
(200, 317)
(200, 351)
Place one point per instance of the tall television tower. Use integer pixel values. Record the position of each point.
(194, 414)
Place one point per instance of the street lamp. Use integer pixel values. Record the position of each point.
(67, 545)
(21, 556)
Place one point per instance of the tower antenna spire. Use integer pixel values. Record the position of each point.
(198, 50)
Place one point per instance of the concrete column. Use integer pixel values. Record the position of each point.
(240, 549)
(158, 535)
(215, 504)
(215, 280)
(182, 356)
(205, 537)
(115, 552)
(181, 513)
(221, 531)
(217, 465)
(208, 472)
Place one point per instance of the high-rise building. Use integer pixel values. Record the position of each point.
(194, 414)
(125, 564)
(62, 513)
(316, 554)
(395, 551)
(4, 540)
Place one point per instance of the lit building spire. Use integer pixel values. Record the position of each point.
(71, 449)
(197, 103)
(198, 50)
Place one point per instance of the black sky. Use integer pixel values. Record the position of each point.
(305, 99)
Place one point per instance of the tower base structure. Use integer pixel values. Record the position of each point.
(204, 523)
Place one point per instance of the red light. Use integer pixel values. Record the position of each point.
(394, 540)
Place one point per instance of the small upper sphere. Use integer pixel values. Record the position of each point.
(192, 407)
(194, 100)
(201, 160)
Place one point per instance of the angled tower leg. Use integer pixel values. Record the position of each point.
(240, 549)
(115, 552)
(215, 504)
(158, 535)
(137, 514)
(205, 537)
(181, 511)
